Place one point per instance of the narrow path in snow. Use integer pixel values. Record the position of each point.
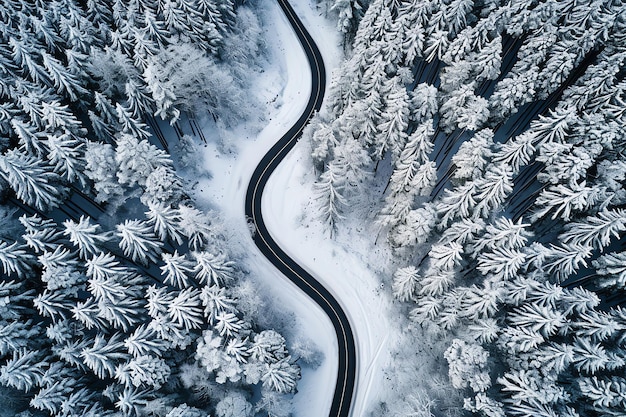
(345, 382)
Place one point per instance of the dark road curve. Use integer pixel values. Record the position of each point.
(344, 387)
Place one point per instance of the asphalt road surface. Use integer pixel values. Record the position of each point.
(344, 386)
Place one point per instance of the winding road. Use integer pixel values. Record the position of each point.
(344, 387)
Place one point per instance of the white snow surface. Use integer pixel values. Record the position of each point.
(344, 267)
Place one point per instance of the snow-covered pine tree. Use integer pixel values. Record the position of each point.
(86, 236)
(176, 270)
(33, 182)
(406, 283)
(138, 241)
(329, 195)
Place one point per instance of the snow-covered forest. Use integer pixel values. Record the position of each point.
(119, 296)
(482, 143)
(479, 145)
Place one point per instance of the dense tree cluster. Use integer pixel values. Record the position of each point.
(347, 14)
(500, 130)
(119, 297)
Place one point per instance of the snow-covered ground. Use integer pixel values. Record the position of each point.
(345, 269)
